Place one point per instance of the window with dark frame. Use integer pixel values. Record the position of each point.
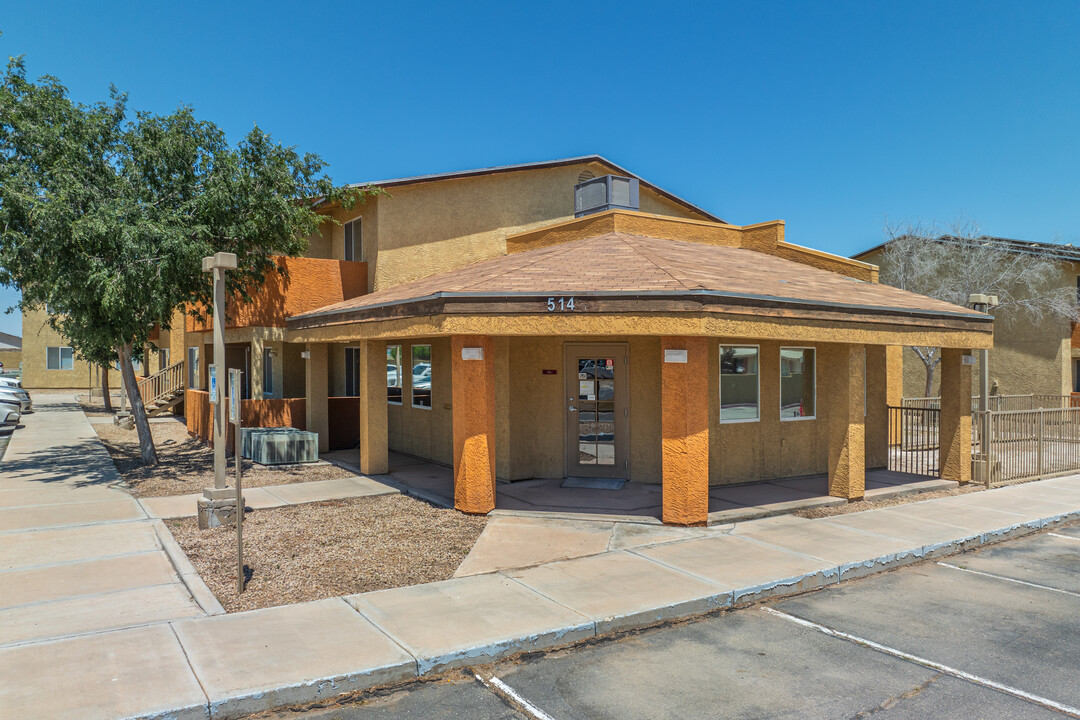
(352, 372)
(354, 240)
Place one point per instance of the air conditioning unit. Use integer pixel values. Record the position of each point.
(607, 192)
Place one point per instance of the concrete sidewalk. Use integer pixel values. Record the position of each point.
(225, 666)
(273, 496)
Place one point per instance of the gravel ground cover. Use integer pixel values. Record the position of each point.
(95, 407)
(861, 505)
(187, 463)
(320, 550)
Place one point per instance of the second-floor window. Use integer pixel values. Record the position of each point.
(354, 240)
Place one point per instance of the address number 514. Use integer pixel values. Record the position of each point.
(562, 303)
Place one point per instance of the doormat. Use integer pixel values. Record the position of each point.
(594, 483)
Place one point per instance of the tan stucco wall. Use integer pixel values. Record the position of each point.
(423, 432)
(12, 359)
(769, 448)
(432, 227)
(739, 452)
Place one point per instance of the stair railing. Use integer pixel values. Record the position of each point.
(162, 383)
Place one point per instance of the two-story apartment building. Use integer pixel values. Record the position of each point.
(1029, 357)
(501, 322)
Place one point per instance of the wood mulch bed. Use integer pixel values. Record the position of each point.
(862, 505)
(186, 463)
(326, 549)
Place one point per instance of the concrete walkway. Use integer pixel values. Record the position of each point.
(225, 666)
(273, 496)
(78, 554)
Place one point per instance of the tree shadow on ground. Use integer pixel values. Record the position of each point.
(81, 464)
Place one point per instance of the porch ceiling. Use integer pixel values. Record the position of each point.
(676, 286)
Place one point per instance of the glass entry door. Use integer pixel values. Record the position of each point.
(597, 422)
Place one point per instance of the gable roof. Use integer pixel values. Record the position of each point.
(10, 342)
(1055, 251)
(580, 160)
(618, 265)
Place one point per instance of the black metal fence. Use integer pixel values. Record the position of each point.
(1020, 444)
(914, 438)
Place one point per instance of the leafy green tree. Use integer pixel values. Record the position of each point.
(105, 216)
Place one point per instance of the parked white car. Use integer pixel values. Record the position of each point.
(18, 396)
(9, 415)
(10, 381)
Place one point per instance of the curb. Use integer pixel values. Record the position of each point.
(310, 691)
(189, 576)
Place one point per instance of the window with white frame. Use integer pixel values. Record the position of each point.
(798, 379)
(739, 384)
(268, 372)
(421, 376)
(193, 367)
(354, 240)
(59, 358)
(393, 374)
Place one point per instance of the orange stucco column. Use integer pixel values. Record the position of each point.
(472, 367)
(845, 415)
(684, 420)
(954, 449)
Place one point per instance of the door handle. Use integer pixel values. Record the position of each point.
(572, 409)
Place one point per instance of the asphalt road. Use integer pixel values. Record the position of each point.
(989, 634)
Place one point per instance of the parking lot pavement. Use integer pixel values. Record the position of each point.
(988, 634)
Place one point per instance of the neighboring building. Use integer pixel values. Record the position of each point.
(1027, 358)
(10, 352)
(470, 319)
(50, 363)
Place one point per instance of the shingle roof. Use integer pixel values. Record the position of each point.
(632, 265)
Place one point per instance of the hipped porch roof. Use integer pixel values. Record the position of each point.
(620, 272)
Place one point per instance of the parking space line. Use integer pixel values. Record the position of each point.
(1009, 579)
(1063, 537)
(1015, 692)
(500, 688)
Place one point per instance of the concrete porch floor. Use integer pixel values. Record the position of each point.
(638, 502)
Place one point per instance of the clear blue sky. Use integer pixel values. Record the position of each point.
(836, 117)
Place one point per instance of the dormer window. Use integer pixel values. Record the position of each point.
(354, 240)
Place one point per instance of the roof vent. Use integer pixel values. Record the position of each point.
(607, 192)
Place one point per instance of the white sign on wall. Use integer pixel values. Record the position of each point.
(674, 356)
